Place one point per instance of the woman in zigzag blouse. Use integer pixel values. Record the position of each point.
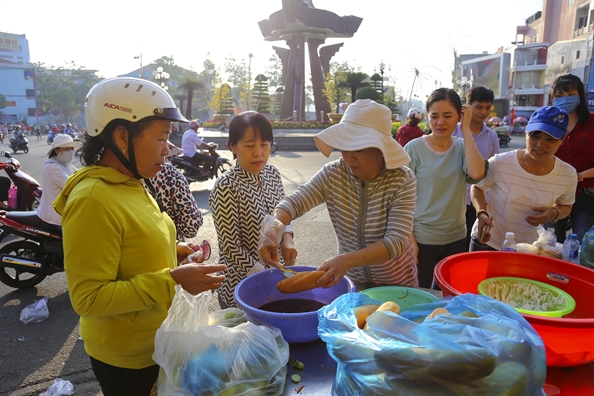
(242, 197)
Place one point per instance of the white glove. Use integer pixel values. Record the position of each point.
(271, 233)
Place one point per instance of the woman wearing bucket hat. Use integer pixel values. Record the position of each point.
(443, 165)
(370, 196)
(56, 171)
(528, 187)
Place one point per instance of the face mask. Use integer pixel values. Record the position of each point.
(65, 157)
(567, 103)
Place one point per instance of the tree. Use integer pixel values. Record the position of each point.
(2, 104)
(222, 100)
(376, 82)
(334, 94)
(260, 94)
(354, 81)
(368, 93)
(274, 72)
(277, 101)
(237, 75)
(63, 101)
(190, 85)
(210, 76)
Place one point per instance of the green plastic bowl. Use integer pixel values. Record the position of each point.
(405, 297)
(567, 308)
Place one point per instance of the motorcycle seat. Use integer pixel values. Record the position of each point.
(31, 218)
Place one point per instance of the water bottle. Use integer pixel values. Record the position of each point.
(552, 241)
(12, 196)
(571, 249)
(587, 253)
(509, 245)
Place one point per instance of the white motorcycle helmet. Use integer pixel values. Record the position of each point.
(127, 98)
(415, 113)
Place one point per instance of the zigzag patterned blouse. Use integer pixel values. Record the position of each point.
(239, 203)
(363, 213)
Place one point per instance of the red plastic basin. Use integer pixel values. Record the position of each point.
(569, 340)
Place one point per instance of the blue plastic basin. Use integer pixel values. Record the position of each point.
(260, 288)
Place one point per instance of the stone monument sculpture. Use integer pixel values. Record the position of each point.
(297, 23)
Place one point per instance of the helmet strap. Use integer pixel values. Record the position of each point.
(128, 164)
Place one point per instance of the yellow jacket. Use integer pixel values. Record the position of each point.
(118, 249)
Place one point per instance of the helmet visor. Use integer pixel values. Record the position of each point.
(171, 114)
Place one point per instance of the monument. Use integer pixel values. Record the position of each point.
(297, 23)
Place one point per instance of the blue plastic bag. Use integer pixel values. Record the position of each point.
(481, 347)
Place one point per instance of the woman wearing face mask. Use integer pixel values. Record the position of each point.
(56, 171)
(577, 150)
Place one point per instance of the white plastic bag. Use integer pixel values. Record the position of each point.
(230, 356)
(59, 387)
(36, 312)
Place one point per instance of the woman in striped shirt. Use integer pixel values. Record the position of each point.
(370, 196)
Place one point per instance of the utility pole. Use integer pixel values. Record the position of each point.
(249, 80)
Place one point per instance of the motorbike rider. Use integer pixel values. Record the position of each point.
(191, 141)
(56, 171)
(69, 130)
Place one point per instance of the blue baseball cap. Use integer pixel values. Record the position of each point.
(549, 119)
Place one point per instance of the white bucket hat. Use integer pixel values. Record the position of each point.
(365, 124)
(63, 141)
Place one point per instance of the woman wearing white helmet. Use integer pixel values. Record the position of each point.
(119, 246)
(56, 171)
(410, 130)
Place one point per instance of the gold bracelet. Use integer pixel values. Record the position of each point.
(478, 213)
(557, 216)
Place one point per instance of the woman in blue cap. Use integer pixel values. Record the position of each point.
(528, 187)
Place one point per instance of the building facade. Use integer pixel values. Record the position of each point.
(17, 79)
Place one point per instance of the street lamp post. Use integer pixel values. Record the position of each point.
(249, 80)
(141, 66)
(382, 67)
(162, 76)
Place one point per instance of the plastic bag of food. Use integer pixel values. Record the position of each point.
(540, 249)
(218, 354)
(36, 312)
(481, 346)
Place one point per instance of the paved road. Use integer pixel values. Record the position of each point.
(32, 356)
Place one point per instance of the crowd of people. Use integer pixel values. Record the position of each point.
(397, 205)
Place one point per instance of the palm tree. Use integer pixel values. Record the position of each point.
(354, 81)
(190, 85)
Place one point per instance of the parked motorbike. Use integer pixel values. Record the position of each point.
(194, 173)
(29, 190)
(504, 139)
(19, 142)
(28, 261)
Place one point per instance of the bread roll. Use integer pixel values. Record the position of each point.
(299, 282)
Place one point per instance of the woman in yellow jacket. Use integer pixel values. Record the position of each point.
(120, 248)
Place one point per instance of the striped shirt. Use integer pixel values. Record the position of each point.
(363, 213)
(514, 192)
(239, 201)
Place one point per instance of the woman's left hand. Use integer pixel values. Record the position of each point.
(335, 268)
(545, 215)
